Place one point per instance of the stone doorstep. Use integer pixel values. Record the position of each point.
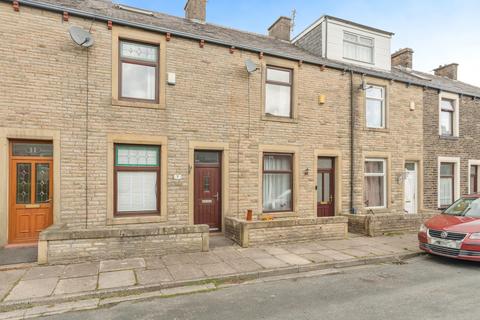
(234, 278)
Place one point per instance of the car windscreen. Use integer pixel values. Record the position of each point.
(467, 207)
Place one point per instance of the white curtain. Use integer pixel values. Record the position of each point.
(136, 191)
(277, 193)
(446, 191)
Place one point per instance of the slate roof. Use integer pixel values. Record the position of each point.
(106, 10)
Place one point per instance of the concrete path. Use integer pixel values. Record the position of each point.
(18, 255)
(427, 288)
(55, 284)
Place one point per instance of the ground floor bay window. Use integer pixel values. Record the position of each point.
(137, 179)
(375, 187)
(277, 182)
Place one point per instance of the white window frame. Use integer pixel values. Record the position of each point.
(456, 177)
(470, 164)
(456, 112)
(383, 100)
(384, 175)
(358, 44)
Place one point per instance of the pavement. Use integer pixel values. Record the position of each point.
(424, 287)
(10, 256)
(42, 290)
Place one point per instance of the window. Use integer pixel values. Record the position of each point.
(137, 179)
(375, 107)
(358, 48)
(277, 182)
(447, 181)
(375, 189)
(473, 179)
(138, 71)
(278, 92)
(447, 115)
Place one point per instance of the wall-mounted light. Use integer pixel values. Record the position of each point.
(306, 171)
(412, 105)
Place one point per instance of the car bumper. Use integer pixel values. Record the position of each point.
(461, 254)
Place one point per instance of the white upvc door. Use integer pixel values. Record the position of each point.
(410, 188)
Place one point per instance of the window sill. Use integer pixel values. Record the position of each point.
(377, 210)
(118, 220)
(135, 104)
(384, 130)
(454, 138)
(279, 119)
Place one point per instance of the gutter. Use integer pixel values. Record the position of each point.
(326, 63)
(352, 140)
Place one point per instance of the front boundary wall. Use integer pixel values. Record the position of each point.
(381, 224)
(63, 246)
(288, 230)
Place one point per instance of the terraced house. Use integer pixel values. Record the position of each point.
(155, 131)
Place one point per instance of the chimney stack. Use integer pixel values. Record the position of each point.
(448, 70)
(281, 28)
(196, 10)
(403, 58)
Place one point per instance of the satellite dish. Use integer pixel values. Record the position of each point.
(81, 37)
(250, 65)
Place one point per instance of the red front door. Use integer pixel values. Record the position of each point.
(207, 189)
(325, 187)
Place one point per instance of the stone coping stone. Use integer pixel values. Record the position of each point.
(392, 214)
(288, 222)
(63, 233)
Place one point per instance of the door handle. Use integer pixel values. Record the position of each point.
(217, 196)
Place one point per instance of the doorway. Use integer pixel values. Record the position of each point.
(411, 187)
(325, 187)
(30, 189)
(207, 189)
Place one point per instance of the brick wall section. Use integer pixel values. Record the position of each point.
(464, 146)
(312, 41)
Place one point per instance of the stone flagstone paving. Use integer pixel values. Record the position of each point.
(46, 281)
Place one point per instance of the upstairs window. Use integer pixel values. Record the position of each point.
(447, 115)
(356, 47)
(138, 71)
(278, 92)
(375, 107)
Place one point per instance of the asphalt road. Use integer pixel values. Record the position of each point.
(423, 288)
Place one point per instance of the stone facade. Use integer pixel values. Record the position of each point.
(435, 146)
(214, 104)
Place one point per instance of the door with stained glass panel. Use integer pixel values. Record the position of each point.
(325, 187)
(30, 190)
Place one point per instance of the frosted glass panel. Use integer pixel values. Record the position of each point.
(136, 191)
(139, 51)
(278, 75)
(137, 156)
(374, 113)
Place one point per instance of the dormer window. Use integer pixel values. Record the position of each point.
(357, 47)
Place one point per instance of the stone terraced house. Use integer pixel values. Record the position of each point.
(163, 130)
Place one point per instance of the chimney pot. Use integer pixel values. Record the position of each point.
(281, 28)
(196, 10)
(448, 70)
(403, 58)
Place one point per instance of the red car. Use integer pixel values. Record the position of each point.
(456, 232)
